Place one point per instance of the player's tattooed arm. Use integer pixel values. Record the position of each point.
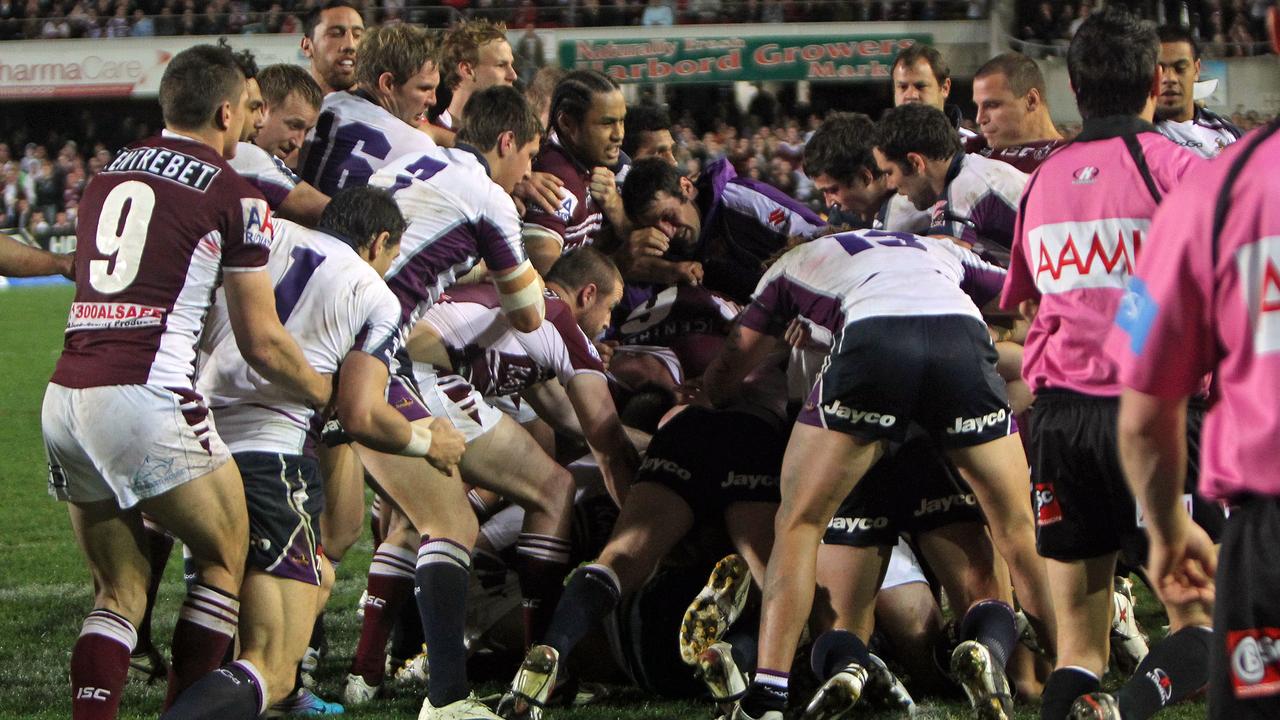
(743, 351)
(20, 260)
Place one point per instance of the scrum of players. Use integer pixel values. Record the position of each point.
(678, 430)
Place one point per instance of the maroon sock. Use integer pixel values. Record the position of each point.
(541, 563)
(159, 546)
(206, 624)
(390, 586)
(100, 665)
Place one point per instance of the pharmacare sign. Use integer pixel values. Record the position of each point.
(32, 69)
(737, 57)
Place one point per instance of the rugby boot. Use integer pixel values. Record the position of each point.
(983, 682)
(837, 696)
(533, 683)
(1095, 706)
(715, 608)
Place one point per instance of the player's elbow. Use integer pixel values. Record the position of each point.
(526, 319)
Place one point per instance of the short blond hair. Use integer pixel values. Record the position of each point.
(462, 44)
(400, 49)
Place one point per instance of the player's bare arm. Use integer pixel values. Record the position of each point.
(743, 351)
(19, 260)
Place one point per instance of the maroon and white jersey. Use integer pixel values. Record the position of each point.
(158, 227)
(578, 220)
(1026, 156)
(496, 359)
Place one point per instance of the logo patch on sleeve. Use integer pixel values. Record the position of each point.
(258, 229)
(568, 203)
(1136, 314)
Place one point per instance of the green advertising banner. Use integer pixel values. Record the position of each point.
(735, 57)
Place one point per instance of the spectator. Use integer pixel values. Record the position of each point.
(657, 12)
(118, 24)
(1082, 14)
(143, 25)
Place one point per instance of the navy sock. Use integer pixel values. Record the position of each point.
(1176, 667)
(406, 636)
(993, 624)
(767, 691)
(1062, 689)
(835, 649)
(231, 692)
(592, 593)
(318, 640)
(440, 579)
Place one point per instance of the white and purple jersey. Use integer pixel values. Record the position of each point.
(744, 223)
(354, 138)
(836, 280)
(1083, 222)
(264, 171)
(1208, 300)
(1205, 134)
(332, 302)
(158, 228)
(979, 204)
(457, 217)
(897, 214)
(494, 358)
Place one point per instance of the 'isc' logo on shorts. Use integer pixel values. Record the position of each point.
(1254, 655)
(1048, 511)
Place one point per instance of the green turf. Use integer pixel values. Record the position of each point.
(44, 586)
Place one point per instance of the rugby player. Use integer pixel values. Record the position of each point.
(904, 319)
(291, 100)
(459, 211)
(362, 130)
(839, 161)
(331, 35)
(1091, 199)
(921, 75)
(330, 292)
(125, 430)
(648, 134)
(1203, 301)
(1178, 116)
(583, 149)
(971, 198)
(288, 196)
(1013, 113)
(475, 55)
(21, 260)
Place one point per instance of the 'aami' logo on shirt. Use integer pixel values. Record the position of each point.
(257, 222)
(1101, 254)
(1259, 267)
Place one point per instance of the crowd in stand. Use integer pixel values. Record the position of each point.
(1224, 28)
(51, 19)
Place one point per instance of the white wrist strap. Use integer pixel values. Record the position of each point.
(419, 442)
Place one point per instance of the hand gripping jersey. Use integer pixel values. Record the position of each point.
(354, 138)
(689, 319)
(835, 280)
(578, 220)
(158, 227)
(1205, 134)
(332, 302)
(744, 222)
(1085, 217)
(265, 172)
(1026, 156)
(457, 216)
(979, 204)
(495, 359)
(1206, 298)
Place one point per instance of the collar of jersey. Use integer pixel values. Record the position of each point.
(464, 147)
(1113, 126)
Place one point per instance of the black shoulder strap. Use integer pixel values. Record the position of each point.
(1223, 203)
(1140, 159)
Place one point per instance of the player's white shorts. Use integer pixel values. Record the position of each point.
(514, 407)
(452, 397)
(126, 442)
(904, 567)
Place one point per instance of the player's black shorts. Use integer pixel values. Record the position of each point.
(936, 370)
(1082, 503)
(646, 625)
(1244, 676)
(912, 489)
(714, 458)
(285, 497)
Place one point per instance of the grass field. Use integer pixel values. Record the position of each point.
(45, 589)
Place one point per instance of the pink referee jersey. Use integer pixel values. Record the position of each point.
(1204, 304)
(1085, 216)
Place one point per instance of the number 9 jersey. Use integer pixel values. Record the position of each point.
(158, 227)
